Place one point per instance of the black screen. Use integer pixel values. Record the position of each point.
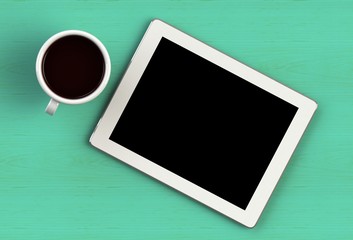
(203, 123)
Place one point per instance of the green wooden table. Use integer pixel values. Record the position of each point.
(54, 185)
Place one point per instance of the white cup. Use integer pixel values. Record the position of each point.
(56, 99)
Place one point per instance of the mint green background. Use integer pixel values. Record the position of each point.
(54, 185)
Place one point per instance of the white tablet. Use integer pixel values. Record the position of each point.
(203, 123)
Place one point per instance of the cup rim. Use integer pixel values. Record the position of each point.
(40, 58)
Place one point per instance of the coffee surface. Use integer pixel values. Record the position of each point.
(73, 67)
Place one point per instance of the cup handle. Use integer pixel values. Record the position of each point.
(52, 106)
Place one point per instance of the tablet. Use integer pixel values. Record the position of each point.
(203, 123)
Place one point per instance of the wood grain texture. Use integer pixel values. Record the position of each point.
(54, 185)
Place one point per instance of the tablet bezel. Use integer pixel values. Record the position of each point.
(140, 60)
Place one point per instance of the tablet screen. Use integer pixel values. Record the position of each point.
(203, 123)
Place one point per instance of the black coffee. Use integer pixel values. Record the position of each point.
(73, 67)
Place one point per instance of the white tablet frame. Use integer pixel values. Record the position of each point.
(140, 60)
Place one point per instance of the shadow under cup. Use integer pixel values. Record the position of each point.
(73, 67)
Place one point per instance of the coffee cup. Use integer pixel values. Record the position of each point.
(72, 67)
